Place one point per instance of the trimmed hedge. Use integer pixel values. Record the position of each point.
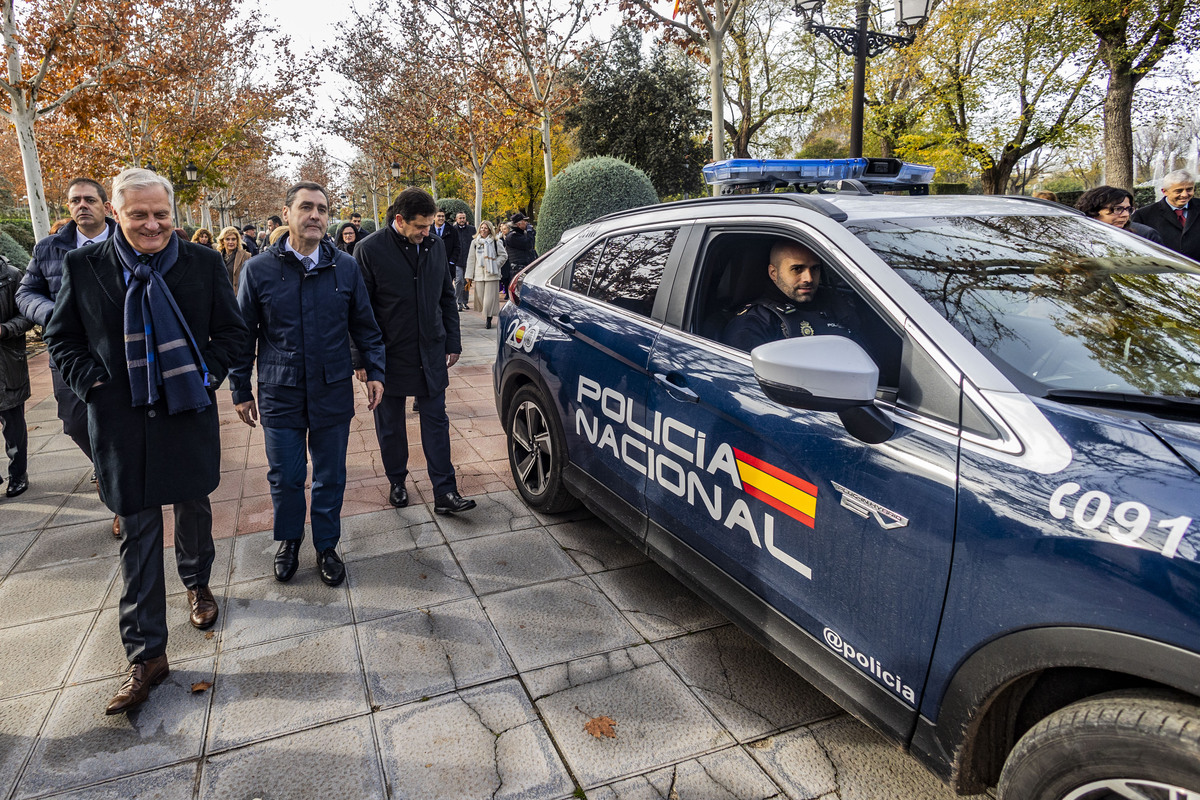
(452, 205)
(589, 189)
(16, 255)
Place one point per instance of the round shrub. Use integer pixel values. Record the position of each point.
(589, 189)
(368, 226)
(21, 231)
(452, 205)
(15, 254)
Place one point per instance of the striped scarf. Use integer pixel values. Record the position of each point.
(160, 352)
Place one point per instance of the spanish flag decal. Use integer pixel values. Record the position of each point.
(781, 490)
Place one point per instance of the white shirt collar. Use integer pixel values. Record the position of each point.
(315, 255)
(81, 240)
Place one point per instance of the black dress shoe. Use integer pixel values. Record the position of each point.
(398, 496)
(17, 485)
(452, 503)
(333, 571)
(287, 558)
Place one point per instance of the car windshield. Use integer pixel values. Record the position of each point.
(1063, 301)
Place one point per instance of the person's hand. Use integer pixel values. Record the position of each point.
(361, 374)
(451, 359)
(374, 394)
(248, 412)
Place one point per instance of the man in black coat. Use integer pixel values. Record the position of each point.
(444, 231)
(89, 207)
(519, 243)
(14, 380)
(152, 413)
(466, 232)
(1176, 216)
(413, 300)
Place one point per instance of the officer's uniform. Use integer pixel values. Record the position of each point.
(774, 316)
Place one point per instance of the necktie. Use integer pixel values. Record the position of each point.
(308, 263)
(1182, 217)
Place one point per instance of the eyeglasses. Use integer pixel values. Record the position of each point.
(1118, 210)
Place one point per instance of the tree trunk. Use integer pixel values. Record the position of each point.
(478, 196)
(547, 155)
(1118, 122)
(39, 215)
(716, 70)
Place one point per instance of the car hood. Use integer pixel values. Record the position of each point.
(1181, 437)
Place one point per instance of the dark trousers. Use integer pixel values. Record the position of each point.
(287, 451)
(72, 411)
(143, 612)
(460, 286)
(16, 440)
(392, 434)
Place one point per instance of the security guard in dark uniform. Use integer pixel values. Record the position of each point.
(793, 306)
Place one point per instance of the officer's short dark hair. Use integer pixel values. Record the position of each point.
(412, 203)
(290, 197)
(275, 218)
(356, 214)
(90, 182)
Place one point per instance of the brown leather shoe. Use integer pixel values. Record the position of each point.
(204, 607)
(117, 526)
(143, 676)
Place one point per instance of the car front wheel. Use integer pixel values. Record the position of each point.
(1115, 746)
(537, 452)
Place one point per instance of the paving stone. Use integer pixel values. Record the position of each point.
(334, 761)
(254, 557)
(426, 653)
(78, 744)
(12, 546)
(499, 512)
(485, 742)
(658, 721)
(104, 655)
(170, 783)
(511, 560)
(265, 610)
(37, 656)
(595, 546)
(655, 603)
(361, 546)
(725, 775)
(406, 580)
(56, 591)
(559, 621)
(279, 687)
(83, 505)
(70, 458)
(20, 720)
(750, 691)
(29, 511)
(846, 757)
(71, 543)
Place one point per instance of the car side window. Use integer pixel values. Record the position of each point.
(626, 270)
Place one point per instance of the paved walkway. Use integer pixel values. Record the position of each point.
(463, 657)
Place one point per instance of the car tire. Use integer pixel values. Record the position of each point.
(537, 452)
(1118, 745)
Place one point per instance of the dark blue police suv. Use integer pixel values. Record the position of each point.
(939, 454)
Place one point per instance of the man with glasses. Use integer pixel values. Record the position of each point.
(1113, 206)
(1175, 215)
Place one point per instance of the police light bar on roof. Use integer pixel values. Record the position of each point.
(767, 174)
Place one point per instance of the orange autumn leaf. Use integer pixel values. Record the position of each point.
(202, 686)
(601, 726)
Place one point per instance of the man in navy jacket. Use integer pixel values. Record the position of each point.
(304, 302)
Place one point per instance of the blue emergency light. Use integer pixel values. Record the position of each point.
(767, 174)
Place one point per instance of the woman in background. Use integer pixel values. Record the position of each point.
(347, 238)
(229, 245)
(203, 236)
(484, 261)
(1113, 205)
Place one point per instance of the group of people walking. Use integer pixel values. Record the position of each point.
(486, 257)
(143, 327)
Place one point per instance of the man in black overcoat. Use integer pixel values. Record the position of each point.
(144, 329)
(413, 299)
(1176, 216)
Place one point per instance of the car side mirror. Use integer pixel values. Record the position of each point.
(824, 373)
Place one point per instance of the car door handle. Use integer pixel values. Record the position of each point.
(675, 390)
(563, 321)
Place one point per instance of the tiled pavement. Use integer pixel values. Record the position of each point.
(461, 659)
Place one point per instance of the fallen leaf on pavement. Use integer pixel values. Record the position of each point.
(209, 635)
(601, 726)
(202, 686)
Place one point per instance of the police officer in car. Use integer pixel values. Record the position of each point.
(793, 306)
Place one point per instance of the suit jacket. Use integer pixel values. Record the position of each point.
(450, 239)
(1162, 218)
(144, 456)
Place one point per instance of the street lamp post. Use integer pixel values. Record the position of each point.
(861, 43)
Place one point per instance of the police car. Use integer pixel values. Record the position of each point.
(968, 512)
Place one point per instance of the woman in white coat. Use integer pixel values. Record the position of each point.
(484, 259)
